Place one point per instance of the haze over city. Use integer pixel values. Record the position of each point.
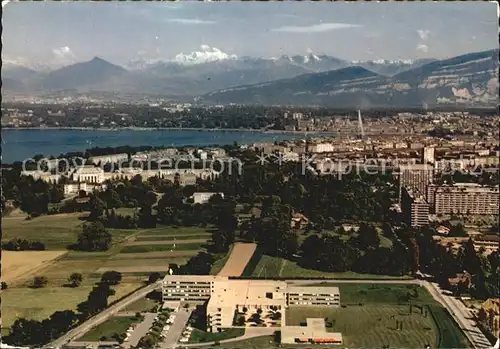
(56, 34)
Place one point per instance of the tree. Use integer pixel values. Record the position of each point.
(40, 281)
(111, 277)
(4, 285)
(97, 207)
(94, 238)
(153, 277)
(75, 279)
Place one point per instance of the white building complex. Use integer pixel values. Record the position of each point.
(227, 296)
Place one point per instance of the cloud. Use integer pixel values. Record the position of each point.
(207, 54)
(423, 33)
(190, 21)
(315, 28)
(63, 53)
(422, 48)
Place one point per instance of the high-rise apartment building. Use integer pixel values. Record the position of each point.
(414, 207)
(416, 177)
(464, 198)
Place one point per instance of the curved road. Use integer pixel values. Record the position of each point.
(103, 316)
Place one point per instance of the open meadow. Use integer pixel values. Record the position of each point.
(369, 314)
(58, 263)
(275, 267)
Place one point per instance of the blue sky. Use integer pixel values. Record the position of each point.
(61, 32)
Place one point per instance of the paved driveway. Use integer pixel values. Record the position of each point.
(175, 332)
(141, 330)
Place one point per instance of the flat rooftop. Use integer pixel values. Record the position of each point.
(315, 330)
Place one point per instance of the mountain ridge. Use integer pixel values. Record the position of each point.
(307, 79)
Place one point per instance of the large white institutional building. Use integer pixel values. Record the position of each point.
(227, 296)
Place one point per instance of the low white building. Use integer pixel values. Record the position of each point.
(203, 198)
(75, 188)
(105, 159)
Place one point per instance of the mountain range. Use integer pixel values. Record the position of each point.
(305, 80)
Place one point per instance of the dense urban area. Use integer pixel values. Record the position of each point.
(378, 229)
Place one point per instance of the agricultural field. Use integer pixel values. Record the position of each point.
(58, 263)
(114, 325)
(371, 311)
(269, 267)
(18, 264)
(40, 303)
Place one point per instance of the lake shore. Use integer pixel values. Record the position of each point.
(107, 129)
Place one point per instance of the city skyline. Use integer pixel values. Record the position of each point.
(73, 32)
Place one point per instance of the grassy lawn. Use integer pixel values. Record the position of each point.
(172, 237)
(156, 248)
(264, 342)
(168, 230)
(373, 324)
(40, 303)
(198, 336)
(117, 324)
(270, 267)
(55, 231)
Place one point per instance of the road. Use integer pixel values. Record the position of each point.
(175, 332)
(141, 330)
(103, 316)
(460, 314)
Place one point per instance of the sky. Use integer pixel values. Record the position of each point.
(64, 32)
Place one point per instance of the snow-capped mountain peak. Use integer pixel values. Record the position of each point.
(207, 54)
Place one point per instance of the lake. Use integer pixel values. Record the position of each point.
(18, 145)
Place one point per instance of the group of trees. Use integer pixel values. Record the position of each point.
(37, 333)
(360, 253)
(443, 263)
(32, 196)
(94, 237)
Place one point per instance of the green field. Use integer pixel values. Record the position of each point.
(158, 248)
(270, 267)
(117, 324)
(143, 304)
(198, 336)
(264, 342)
(177, 231)
(370, 313)
(57, 232)
(172, 237)
(40, 303)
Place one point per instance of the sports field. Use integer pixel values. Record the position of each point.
(370, 313)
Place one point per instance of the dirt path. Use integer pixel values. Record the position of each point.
(238, 260)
